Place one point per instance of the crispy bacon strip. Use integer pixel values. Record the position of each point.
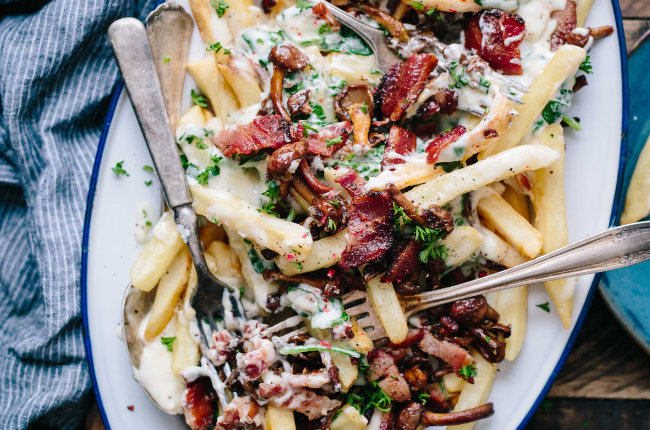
(448, 352)
(200, 404)
(241, 412)
(263, 132)
(394, 27)
(496, 35)
(352, 182)
(370, 230)
(566, 23)
(329, 139)
(405, 264)
(451, 418)
(400, 141)
(384, 370)
(442, 141)
(401, 86)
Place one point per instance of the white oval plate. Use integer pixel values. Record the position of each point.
(109, 246)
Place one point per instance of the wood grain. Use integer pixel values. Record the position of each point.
(634, 29)
(594, 414)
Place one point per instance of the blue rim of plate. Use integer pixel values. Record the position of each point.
(576, 327)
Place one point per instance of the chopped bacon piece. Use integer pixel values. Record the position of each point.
(329, 139)
(257, 360)
(566, 22)
(276, 388)
(200, 404)
(405, 264)
(352, 182)
(241, 412)
(322, 11)
(412, 337)
(496, 36)
(401, 86)
(444, 101)
(393, 383)
(448, 352)
(263, 132)
(400, 141)
(442, 141)
(370, 230)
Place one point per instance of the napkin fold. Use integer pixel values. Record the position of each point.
(57, 74)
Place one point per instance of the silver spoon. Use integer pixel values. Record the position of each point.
(136, 62)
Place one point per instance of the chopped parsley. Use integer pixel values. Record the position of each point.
(302, 5)
(435, 13)
(274, 204)
(186, 163)
(367, 165)
(298, 265)
(291, 216)
(460, 78)
(331, 224)
(294, 89)
(168, 342)
(335, 141)
(166, 60)
(371, 396)
(220, 7)
(423, 397)
(545, 307)
(199, 99)
(449, 166)
(216, 47)
(119, 169)
(318, 111)
(147, 168)
(148, 183)
(364, 107)
(585, 66)
(552, 112)
(431, 250)
(571, 122)
(212, 170)
(256, 260)
(324, 28)
(243, 159)
(417, 5)
(197, 141)
(468, 371)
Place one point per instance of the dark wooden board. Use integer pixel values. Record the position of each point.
(596, 414)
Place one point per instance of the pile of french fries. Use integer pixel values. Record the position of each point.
(517, 186)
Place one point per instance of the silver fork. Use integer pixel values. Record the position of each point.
(612, 249)
(136, 63)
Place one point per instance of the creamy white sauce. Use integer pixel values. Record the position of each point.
(145, 219)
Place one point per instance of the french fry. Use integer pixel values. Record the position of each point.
(564, 64)
(348, 419)
(453, 383)
(637, 202)
(475, 394)
(193, 116)
(185, 351)
(461, 244)
(498, 250)
(388, 309)
(446, 5)
(442, 189)
(211, 83)
(512, 305)
(168, 293)
(509, 224)
(279, 418)
(582, 11)
(347, 371)
(355, 69)
(550, 218)
(212, 28)
(228, 265)
(259, 287)
(245, 86)
(284, 237)
(157, 254)
(239, 16)
(495, 122)
(324, 253)
(518, 201)
(361, 341)
(211, 232)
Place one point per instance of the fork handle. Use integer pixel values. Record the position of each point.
(135, 60)
(612, 249)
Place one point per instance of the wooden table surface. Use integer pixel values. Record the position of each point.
(605, 382)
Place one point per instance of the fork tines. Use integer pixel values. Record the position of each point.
(357, 305)
(295, 325)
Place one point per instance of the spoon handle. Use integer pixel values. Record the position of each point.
(612, 249)
(135, 60)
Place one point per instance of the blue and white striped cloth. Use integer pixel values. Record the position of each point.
(56, 77)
